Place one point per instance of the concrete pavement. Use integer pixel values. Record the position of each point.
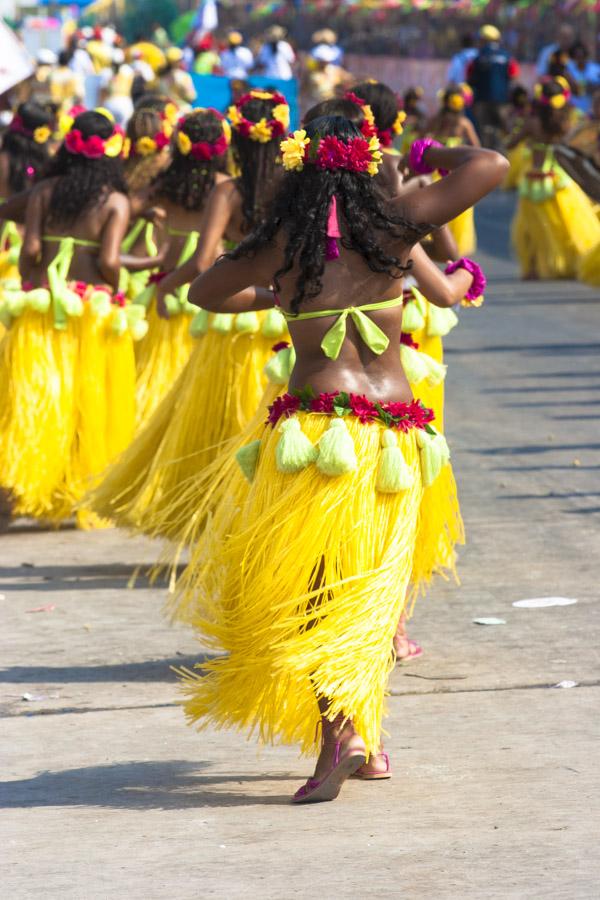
(107, 794)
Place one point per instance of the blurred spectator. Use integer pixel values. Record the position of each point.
(207, 61)
(323, 77)
(563, 43)
(175, 81)
(236, 60)
(65, 86)
(325, 45)
(276, 57)
(490, 75)
(80, 60)
(457, 70)
(584, 75)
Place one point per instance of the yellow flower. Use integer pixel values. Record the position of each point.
(261, 132)
(563, 82)
(171, 113)
(167, 128)
(234, 116)
(293, 151)
(42, 134)
(65, 123)
(114, 145)
(226, 130)
(368, 114)
(376, 156)
(558, 101)
(261, 95)
(184, 143)
(126, 148)
(281, 113)
(456, 102)
(105, 112)
(145, 146)
(538, 91)
(398, 126)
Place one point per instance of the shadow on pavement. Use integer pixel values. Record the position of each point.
(140, 784)
(69, 578)
(148, 670)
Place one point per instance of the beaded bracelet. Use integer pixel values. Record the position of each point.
(474, 296)
(416, 154)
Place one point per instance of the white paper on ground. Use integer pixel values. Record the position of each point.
(539, 602)
(489, 620)
(567, 684)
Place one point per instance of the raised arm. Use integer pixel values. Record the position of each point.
(440, 289)
(472, 173)
(234, 286)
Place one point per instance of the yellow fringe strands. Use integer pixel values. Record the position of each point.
(589, 267)
(302, 585)
(215, 396)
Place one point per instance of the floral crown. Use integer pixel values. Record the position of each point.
(203, 150)
(457, 98)
(169, 117)
(359, 154)
(95, 147)
(147, 145)
(558, 101)
(369, 127)
(41, 134)
(264, 130)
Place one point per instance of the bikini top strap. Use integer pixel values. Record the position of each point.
(375, 339)
(176, 232)
(75, 242)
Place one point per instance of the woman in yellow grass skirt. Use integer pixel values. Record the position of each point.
(519, 112)
(221, 386)
(67, 371)
(555, 224)
(303, 584)
(451, 127)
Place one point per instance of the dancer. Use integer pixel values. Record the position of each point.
(198, 148)
(221, 386)
(304, 584)
(555, 224)
(451, 127)
(520, 109)
(67, 375)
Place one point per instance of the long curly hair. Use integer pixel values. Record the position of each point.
(301, 210)
(141, 171)
(257, 165)
(82, 182)
(347, 109)
(187, 181)
(27, 159)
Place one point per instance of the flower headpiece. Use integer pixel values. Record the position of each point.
(264, 130)
(204, 150)
(169, 117)
(558, 101)
(41, 134)
(147, 145)
(356, 155)
(457, 98)
(95, 147)
(369, 127)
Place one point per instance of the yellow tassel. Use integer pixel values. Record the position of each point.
(294, 451)
(393, 474)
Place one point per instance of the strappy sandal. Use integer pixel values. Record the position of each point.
(371, 772)
(344, 765)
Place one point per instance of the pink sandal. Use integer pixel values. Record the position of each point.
(328, 788)
(370, 771)
(414, 651)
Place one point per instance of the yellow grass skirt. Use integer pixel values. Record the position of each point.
(519, 158)
(551, 237)
(463, 232)
(160, 357)
(67, 406)
(589, 267)
(215, 396)
(302, 586)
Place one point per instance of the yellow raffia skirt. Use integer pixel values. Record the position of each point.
(160, 357)
(551, 237)
(67, 407)
(589, 267)
(463, 232)
(519, 158)
(214, 398)
(301, 583)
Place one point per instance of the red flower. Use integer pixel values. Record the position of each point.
(80, 287)
(156, 277)
(161, 140)
(74, 141)
(385, 136)
(244, 127)
(93, 147)
(362, 408)
(284, 407)
(323, 403)
(332, 153)
(201, 150)
(118, 299)
(358, 155)
(407, 339)
(282, 345)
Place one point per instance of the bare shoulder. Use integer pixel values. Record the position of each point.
(118, 202)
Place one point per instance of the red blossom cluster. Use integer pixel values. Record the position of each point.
(395, 415)
(203, 150)
(355, 155)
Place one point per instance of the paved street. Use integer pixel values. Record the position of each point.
(108, 794)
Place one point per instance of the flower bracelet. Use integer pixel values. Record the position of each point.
(474, 296)
(416, 157)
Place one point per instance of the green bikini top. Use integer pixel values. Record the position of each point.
(375, 339)
(72, 241)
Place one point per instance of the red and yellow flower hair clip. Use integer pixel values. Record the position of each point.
(204, 150)
(359, 154)
(95, 147)
(264, 130)
(556, 101)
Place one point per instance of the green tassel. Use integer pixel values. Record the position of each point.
(199, 324)
(172, 304)
(279, 368)
(337, 455)
(72, 303)
(222, 323)
(247, 323)
(144, 298)
(440, 321)
(13, 256)
(294, 451)
(436, 372)
(5, 316)
(119, 323)
(393, 474)
(16, 301)
(434, 454)
(100, 303)
(419, 367)
(123, 281)
(413, 317)
(273, 325)
(247, 459)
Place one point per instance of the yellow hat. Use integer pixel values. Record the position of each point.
(174, 54)
(489, 33)
(235, 38)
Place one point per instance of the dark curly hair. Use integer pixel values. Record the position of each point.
(257, 164)
(187, 181)
(347, 109)
(26, 158)
(301, 210)
(554, 122)
(382, 100)
(81, 182)
(141, 171)
(151, 100)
